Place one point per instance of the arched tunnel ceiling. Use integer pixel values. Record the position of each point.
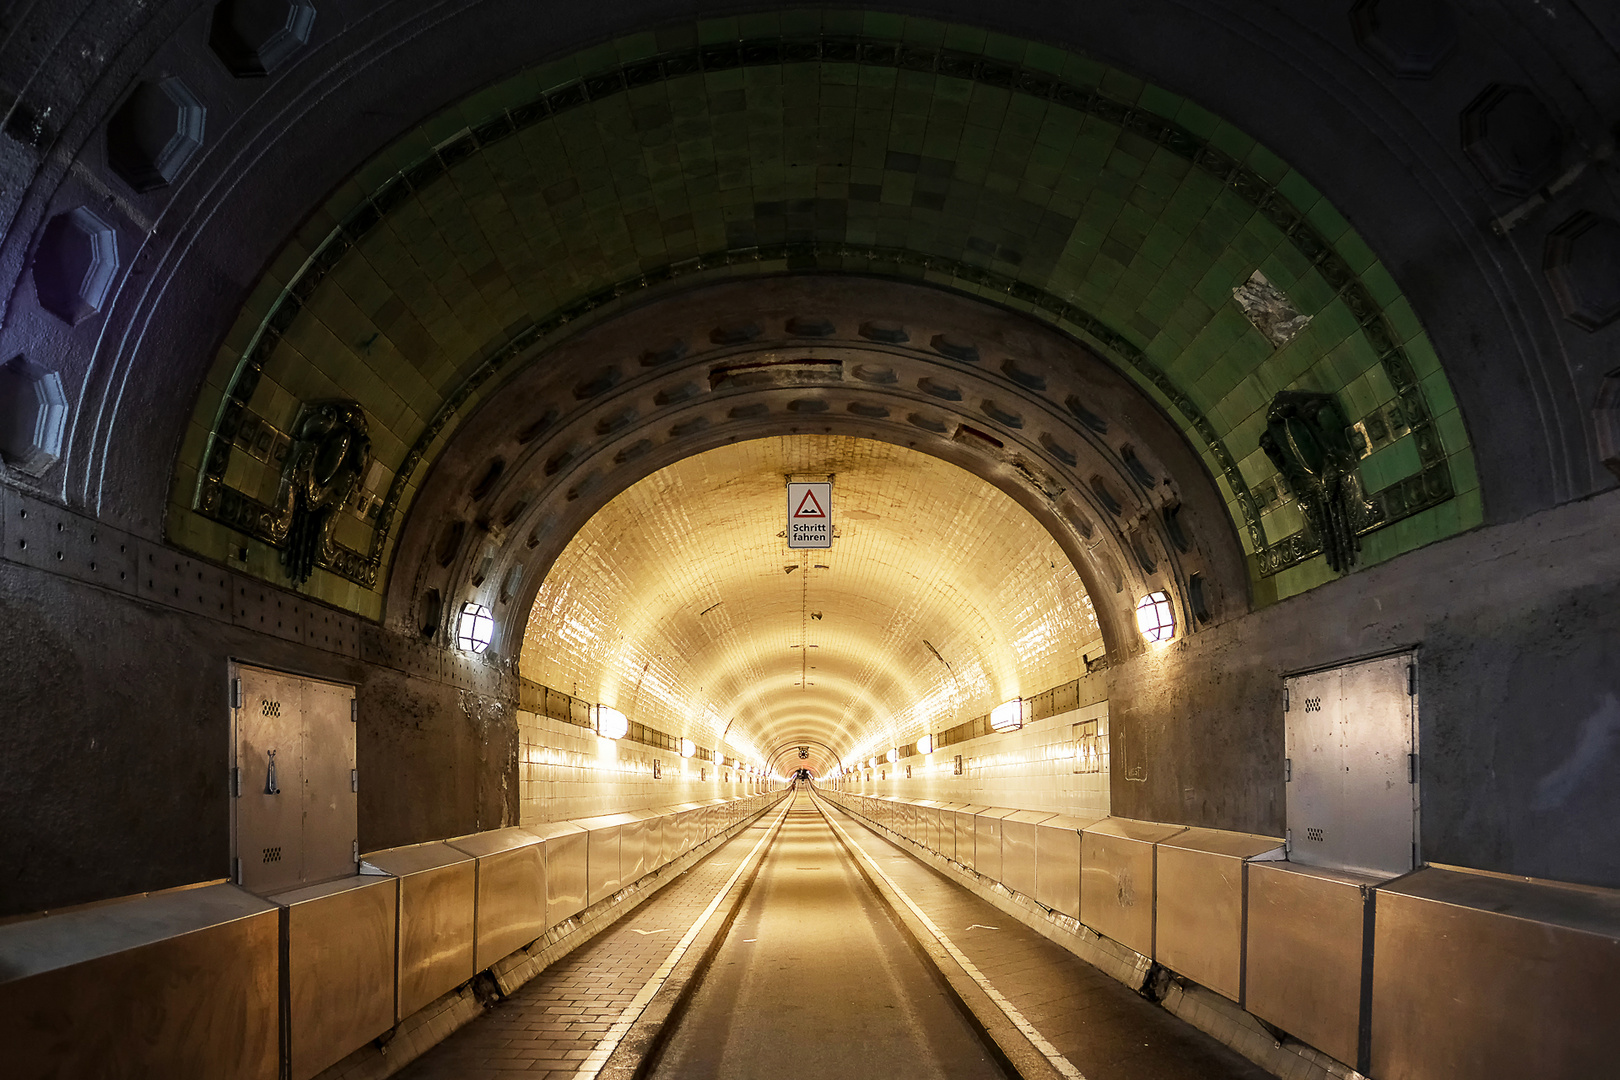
(681, 604)
(1123, 215)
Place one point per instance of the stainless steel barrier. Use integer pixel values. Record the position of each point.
(511, 904)
(192, 972)
(339, 942)
(1305, 950)
(1482, 975)
(987, 841)
(965, 832)
(1200, 902)
(197, 981)
(602, 874)
(1018, 853)
(1117, 879)
(1057, 863)
(566, 854)
(437, 887)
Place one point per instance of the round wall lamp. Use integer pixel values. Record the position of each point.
(1156, 617)
(610, 722)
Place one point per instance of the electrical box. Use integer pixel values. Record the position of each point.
(1351, 766)
(293, 780)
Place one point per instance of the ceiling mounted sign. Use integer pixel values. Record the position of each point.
(809, 515)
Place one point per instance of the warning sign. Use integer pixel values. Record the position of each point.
(809, 515)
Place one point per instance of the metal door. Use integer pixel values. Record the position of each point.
(1351, 766)
(294, 811)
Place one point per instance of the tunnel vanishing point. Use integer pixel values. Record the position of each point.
(490, 487)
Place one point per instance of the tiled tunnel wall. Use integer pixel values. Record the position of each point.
(1059, 763)
(565, 771)
(679, 603)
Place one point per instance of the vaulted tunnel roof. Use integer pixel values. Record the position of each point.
(679, 603)
(1040, 180)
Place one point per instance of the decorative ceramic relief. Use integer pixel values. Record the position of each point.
(1305, 439)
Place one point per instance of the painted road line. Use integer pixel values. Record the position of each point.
(592, 1065)
(1050, 1052)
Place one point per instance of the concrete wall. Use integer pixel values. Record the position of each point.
(1518, 635)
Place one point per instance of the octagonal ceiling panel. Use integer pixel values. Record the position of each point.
(681, 604)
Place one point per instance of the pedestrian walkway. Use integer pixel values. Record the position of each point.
(814, 978)
(559, 1021)
(1102, 1028)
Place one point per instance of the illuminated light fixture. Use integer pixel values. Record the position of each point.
(610, 722)
(1008, 716)
(476, 627)
(925, 745)
(893, 755)
(688, 748)
(871, 763)
(1156, 617)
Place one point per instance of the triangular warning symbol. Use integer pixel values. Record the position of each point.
(808, 507)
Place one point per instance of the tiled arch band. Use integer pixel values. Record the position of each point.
(1433, 484)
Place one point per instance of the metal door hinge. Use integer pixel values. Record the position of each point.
(354, 850)
(1411, 768)
(1288, 841)
(236, 871)
(354, 779)
(1285, 699)
(1411, 680)
(354, 710)
(236, 693)
(1288, 770)
(236, 783)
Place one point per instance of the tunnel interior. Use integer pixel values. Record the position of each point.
(1209, 411)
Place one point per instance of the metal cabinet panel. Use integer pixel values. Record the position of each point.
(678, 833)
(987, 841)
(181, 983)
(1478, 975)
(293, 752)
(947, 828)
(603, 876)
(1018, 849)
(634, 842)
(963, 824)
(652, 840)
(339, 942)
(928, 824)
(1117, 879)
(1057, 863)
(1304, 952)
(511, 909)
(1352, 797)
(567, 853)
(1199, 903)
(438, 886)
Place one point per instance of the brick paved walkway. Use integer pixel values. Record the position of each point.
(550, 1025)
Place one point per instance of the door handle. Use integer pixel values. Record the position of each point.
(270, 785)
